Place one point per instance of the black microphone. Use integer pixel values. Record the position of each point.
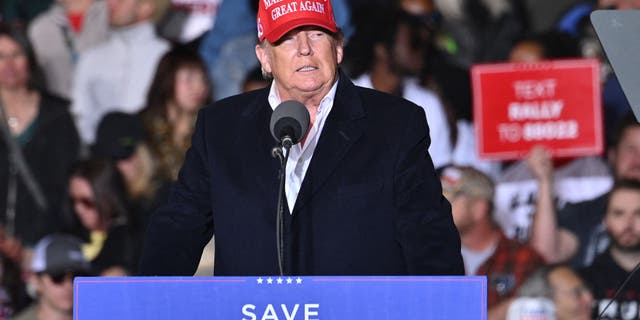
(289, 123)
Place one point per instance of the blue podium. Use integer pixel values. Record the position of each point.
(280, 298)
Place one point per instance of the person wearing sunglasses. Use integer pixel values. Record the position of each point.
(102, 217)
(57, 259)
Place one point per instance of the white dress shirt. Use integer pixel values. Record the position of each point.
(300, 155)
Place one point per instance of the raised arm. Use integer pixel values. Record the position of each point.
(553, 243)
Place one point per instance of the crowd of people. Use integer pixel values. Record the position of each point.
(99, 100)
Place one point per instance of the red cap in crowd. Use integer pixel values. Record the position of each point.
(277, 17)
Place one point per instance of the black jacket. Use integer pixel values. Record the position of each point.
(370, 202)
(50, 151)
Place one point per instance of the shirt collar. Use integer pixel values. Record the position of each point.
(274, 98)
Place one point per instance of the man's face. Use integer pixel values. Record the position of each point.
(303, 62)
(56, 291)
(461, 211)
(625, 157)
(408, 51)
(622, 220)
(526, 51)
(123, 13)
(570, 295)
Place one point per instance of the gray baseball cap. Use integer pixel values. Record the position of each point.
(59, 253)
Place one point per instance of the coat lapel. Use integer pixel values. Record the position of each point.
(257, 141)
(342, 129)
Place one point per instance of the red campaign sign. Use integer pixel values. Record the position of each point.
(554, 103)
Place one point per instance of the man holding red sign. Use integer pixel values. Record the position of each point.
(552, 103)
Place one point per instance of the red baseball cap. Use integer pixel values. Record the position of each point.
(277, 17)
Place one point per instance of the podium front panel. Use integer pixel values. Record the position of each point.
(275, 298)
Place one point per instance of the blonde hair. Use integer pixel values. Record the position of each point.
(144, 186)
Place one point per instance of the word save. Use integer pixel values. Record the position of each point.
(272, 313)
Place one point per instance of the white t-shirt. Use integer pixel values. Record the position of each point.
(517, 190)
(440, 148)
(474, 259)
(465, 152)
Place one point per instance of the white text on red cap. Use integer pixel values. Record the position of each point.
(285, 9)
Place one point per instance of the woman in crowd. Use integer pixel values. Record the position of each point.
(99, 200)
(179, 89)
(38, 144)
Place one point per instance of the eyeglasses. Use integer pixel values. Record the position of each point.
(86, 202)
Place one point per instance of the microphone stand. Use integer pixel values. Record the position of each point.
(615, 295)
(276, 152)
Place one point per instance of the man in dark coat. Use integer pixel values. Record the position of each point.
(362, 196)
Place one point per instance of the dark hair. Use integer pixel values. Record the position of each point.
(625, 122)
(254, 5)
(554, 44)
(159, 131)
(379, 25)
(17, 33)
(372, 26)
(107, 185)
(162, 88)
(626, 184)
(11, 281)
(254, 75)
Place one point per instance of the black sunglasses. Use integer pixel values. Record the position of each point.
(89, 203)
(59, 278)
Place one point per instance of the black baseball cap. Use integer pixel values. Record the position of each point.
(118, 135)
